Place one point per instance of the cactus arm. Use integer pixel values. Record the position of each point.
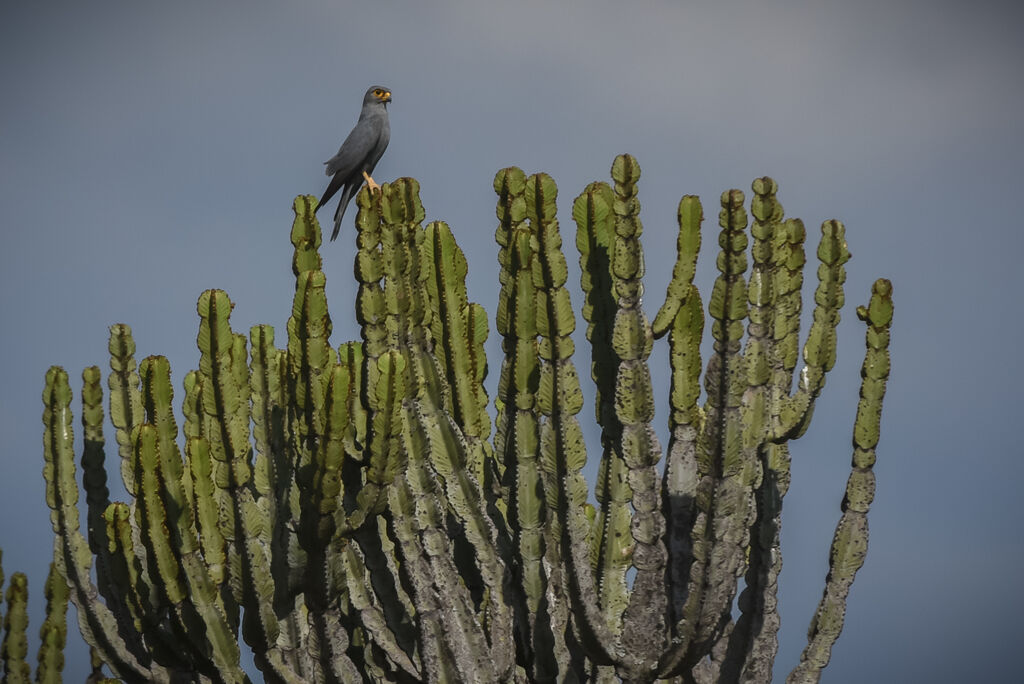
(849, 545)
(125, 397)
(324, 499)
(97, 623)
(513, 238)
(351, 354)
(458, 447)
(310, 357)
(404, 523)
(562, 450)
(212, 634)
(139, 594)
(267, 396)
(240, 495)
(517, 433)
(357, 505)
(820, 347)
(722, 461)
(317, 528)
(435, 661)
(683, 500)
(204, 598)
(597, 242)
(447, 448)
(412, 263)
(274, 483)
(727, 473)
(54, 631)
(787, 282)
(384, 382)
(109, 566)
(689, 215)
(14, 650)
(94, 475)
(679, 484)
(459, 339)
(758, 622)
(388, 583)
(632, 339)
(317, 447)
(222, 407)
(461, 632)
(172, 540)
(372, 617)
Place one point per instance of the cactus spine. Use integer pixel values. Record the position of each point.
(346, 512)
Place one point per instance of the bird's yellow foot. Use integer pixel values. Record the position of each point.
(374, 187)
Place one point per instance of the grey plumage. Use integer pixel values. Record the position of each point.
(360, 152)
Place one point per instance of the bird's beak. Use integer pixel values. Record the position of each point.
(387, 97)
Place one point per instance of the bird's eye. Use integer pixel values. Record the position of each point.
(378, 93)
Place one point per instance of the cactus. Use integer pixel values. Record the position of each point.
(347, 513)
(52, 634)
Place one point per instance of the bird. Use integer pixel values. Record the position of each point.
(359, 154)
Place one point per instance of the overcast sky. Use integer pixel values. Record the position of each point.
(149, 151)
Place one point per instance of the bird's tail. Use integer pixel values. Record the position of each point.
(338, 215)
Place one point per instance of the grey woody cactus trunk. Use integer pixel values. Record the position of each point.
(346, 512)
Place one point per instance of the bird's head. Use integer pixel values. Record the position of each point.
(377, 95)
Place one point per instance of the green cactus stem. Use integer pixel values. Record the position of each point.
(849, 545)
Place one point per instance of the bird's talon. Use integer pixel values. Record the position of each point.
(370, 183)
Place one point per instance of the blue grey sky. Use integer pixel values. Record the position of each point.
(149, 151)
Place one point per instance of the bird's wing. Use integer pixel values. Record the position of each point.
(357, 146)
(383, 138)
(332, 188)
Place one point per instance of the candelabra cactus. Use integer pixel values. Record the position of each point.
(346, 513)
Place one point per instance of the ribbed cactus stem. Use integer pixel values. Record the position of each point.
(849, 545)
(222, 406)
(517, 433)
(787, 282)
(109, 567)
(125, 397)
(94, 475)
(724, 462)
(597, 243)
(190, 597)
(820, 347)
(683, 315)
(54, 632)
(559, 399)
(71, 551)
(644, 631)
(121, 544)
(14, 648)
(752, 642)
(266, 391)
(459, 330)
